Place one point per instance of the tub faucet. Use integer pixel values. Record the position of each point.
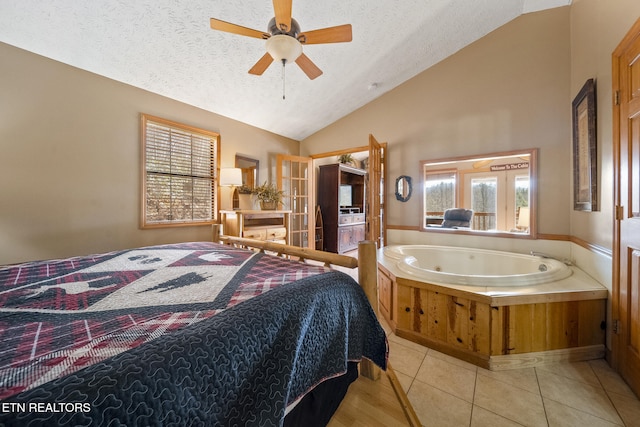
(543, 255)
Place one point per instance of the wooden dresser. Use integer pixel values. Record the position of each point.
(257, 224)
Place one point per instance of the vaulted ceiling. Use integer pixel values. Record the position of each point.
(167, 47)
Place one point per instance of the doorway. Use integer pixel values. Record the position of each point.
(370, 158)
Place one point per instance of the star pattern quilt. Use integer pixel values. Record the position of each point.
(185, 334)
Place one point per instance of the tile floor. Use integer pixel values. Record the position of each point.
(448, 392)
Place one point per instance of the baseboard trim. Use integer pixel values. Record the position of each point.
(531, 360)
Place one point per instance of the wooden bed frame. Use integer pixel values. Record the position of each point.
(367, 266)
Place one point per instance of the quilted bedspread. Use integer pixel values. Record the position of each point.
(188, 334)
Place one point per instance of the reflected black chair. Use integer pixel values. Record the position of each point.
(457, 218)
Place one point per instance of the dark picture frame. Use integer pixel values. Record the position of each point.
(585, 187)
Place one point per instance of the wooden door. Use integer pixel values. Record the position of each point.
(294, 176)
(626, 259)
(375, 196)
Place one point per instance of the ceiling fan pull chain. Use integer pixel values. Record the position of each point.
(283, 76)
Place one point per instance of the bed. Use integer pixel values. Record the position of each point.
(198, 333)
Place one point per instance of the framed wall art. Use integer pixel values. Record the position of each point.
(585, 183)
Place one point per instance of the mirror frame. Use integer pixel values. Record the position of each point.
(407, 180)
(533, 194)
(238, 164)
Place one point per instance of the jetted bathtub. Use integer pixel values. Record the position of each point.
(498, 310)
(475, 267)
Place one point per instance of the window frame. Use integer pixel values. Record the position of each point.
(215, 173)
(481, 160)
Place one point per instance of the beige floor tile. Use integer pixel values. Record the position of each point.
(578, 395)
(405, 359)
(628, 408)
(405, 380)
(412, 345)
(448, 392)
(579, 371)
(453, 360)
(480, 417)
(447, 377)
(560, 415)
(610, 379)
(435, 408)
(525, 378)
(509, 401)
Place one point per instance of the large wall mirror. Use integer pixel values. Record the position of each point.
(486, 194)
(250, 169)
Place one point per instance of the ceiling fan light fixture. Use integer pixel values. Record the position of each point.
(285, 48)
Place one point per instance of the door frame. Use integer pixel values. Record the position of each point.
(383, 160)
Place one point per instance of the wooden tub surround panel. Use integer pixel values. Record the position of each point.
(481, 330)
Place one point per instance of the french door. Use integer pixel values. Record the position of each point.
(294, 177)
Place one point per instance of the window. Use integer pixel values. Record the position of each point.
(180, 166)
(484, 202)
(522, 213)
(494, 197)
(522, 191)
(439, 194)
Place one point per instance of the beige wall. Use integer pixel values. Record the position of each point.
(506, 91)
(511, 89)
(69, 160)
(70, 153)
(597, 26)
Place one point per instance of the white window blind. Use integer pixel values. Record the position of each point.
(180, 164)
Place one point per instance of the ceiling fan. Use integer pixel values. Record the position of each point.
(284, 39)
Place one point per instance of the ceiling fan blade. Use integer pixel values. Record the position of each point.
(339, 34)
(262, 64)
(309, 68)
(482, 163)
(282, 9)
(219, 25)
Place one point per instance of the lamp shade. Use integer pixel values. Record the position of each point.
(230, 177)
(283, 47)
(523, 217)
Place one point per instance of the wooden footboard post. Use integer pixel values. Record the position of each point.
(368, 271)
(368, 279)
(215, 233)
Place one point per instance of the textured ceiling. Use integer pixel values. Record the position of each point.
(167, 47)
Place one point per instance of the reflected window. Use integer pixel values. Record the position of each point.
(521, 213)
(484, 202)
(497, 187)
(439, 194)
